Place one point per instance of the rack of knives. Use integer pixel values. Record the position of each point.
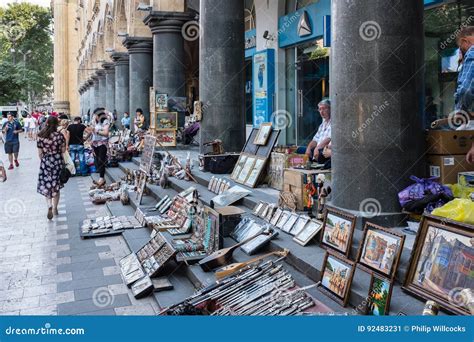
(264, 290)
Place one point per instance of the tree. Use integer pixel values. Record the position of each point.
(25, 27)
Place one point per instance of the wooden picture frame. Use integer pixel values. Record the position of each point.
(258, 207)
(383, 308)
(250, 148)
(299, 225)
(166, 138)
(342, 269)
(377, 251)
(340, 241)
(239, 166)
(263, 134)
(288, 226)
(161, 102)
(246, 169)
(283, 219)
(255, 173)
(311, 229)
(443, 251)
(276, 216)
(166, 121)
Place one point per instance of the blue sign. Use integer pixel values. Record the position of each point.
(263, 86)
(327, 31)
(250, 43)
(303, 25)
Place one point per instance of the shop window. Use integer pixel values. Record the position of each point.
(250, 16)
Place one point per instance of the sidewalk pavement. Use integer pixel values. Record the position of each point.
(45, 267)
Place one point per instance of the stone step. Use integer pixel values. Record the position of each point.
(305, 261)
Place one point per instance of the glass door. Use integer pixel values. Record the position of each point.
(312, 75)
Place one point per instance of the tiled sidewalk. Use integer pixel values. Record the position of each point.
(45, 267)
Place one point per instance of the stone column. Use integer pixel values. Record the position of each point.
(168, 51)
(85, 100)
(377, 92)
(61, 60)
(110, 86)
(122, 83)
(95, 94)
(221, 77)
(141, 70)
(102, 88)
(81, 101)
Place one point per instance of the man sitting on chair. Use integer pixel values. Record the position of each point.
(323, 136)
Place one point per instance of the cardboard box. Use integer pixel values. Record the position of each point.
(447, 167)
(449, 142)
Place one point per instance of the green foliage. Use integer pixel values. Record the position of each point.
(319, 53)
(25, 27)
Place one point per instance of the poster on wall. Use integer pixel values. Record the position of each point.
(264, 86)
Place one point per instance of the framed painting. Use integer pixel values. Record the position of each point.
(378, 299)
(380, 250)
(336, 279)
(308, 233)
(161, 102)
(263, 134)
(239, 166)
(442, 263)
(276, 216)
(256, 172)
(299, 226)
(166, 121)
(166, 138)
(246, 170)
(338, 228)
(288, 226)
(283, 219)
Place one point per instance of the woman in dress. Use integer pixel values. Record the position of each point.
(51, 145)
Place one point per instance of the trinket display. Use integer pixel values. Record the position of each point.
(265, 290)
(130, 269)
(107, 225)
(142, 287)
(155, 254)
(218, 185)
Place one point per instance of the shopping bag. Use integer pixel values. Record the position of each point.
(461, 210)
(69, 164)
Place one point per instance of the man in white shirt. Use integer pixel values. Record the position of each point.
(323, 136)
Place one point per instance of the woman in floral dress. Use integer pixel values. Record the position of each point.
(51, 145)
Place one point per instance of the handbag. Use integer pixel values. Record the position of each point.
(69, 164)
(64, 175)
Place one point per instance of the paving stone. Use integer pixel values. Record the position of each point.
(57, 298)
(89, 282)
(91, 305)
(57, 278)
(51, 310)
(135, 310)
(81, 251)
(86, 265)
(88, 273)
(18, 304)
(110, 270)
(40, 290)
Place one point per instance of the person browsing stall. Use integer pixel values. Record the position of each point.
(323, 135)
(76, 144)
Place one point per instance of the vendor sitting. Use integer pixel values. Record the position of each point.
(322, 139)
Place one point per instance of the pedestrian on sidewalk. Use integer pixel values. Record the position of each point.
(100, 141)
(11, 129)
(51, 146)
(76, 144)
(63, 125)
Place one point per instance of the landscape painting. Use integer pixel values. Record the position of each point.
(337, 275)
(337, 231)
(379, 296)
(380, 250)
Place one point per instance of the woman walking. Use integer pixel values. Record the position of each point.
(51, 146)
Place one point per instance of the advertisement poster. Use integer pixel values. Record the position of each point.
(264, 86)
